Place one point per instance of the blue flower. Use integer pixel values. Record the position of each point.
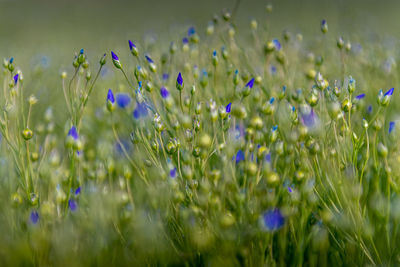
(228, 108)
(250, 83)
(191, 31)
(140, 111)
(391, 126)
(165, 76)
(272, 69)
(164, 92)
(81, 52)
(78, 191)
(274, 128)
(267, 157)
(34, 217)
(369, 109)
(149, 59)
(131, 45)
(114, 56)
(172, 173)
(277, 44)
(214, 53)
(73, 133)
(123, 100)
(271, 101)
(73, 206)
(110, 96)
(179, 79)
(185, 40)
(323, 22)
(239, 156)
(361, 96)
(273, 219)
(11, 60)
(16, 78)
(389, 92)
(290, 190)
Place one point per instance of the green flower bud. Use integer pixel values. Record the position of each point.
(27, 134)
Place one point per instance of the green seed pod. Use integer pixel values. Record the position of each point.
(382, 150)
(205, 141)
(273, 179)
(27, 134)
(251, 168)
(346, 105)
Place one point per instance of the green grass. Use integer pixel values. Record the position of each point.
(302, 169)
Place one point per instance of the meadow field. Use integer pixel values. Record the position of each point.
(207, 133)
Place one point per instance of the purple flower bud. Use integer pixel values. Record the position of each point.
(34, 217)
(16, 78)
(164, 92)
(78, 191)
(391, 126)
(361, 96)
(149, 59)
(110, 96)
(273, 219)
(179, 79)
(123, 100)
(250, 83)
(73, 206)
(114, 56)
(389, 92)
(172, 173)
(239, 156)
(73, 133)
(228, 108)
(277, 44)
(185, 40)
(131, 45)
(191, 31)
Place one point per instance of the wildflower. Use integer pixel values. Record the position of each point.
(27, 134)
(133, 48)
(239, 156)
(191, 31)
(140, 111)
(392, 124)
(152, 66)
(324, 26)
(110, 100)
(308, 117)
(78, 191)
(228, 108)
(123, 100)
(34, 217)
(16, 78)
(250, 83)
(149, 60)
(165, 76)
(385, 99)
(164, 92)
(277, 44)
(179, 82)
(172, 173)
(214, 58)
(73, 133)
(73, 206)
(115, 60)
(290, 190)
(103, 60)
(273, 219)
(369, 109)
(359, 97)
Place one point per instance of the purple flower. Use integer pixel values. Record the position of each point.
(273, 219)
(165, 76)
(131, 45)
(290, 190)
(250, 83)
(110, 96)
(185, 40)
(73, 206)
(73, 133)
(172, 173)
(228, 108)
(272, 69)
(164, 92)
(309, 119)
(323, 22)
(123, 100)
(391, 126)
(140, 111)
(361, 96)
(34, 217)
(191, 31)
(78, 191)
(239, 156)
(16, 78)
(179, 79)
(277, 44)
(114, 56)
(268, 157)
(389, 92)
(149, 59)
(369, 109)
